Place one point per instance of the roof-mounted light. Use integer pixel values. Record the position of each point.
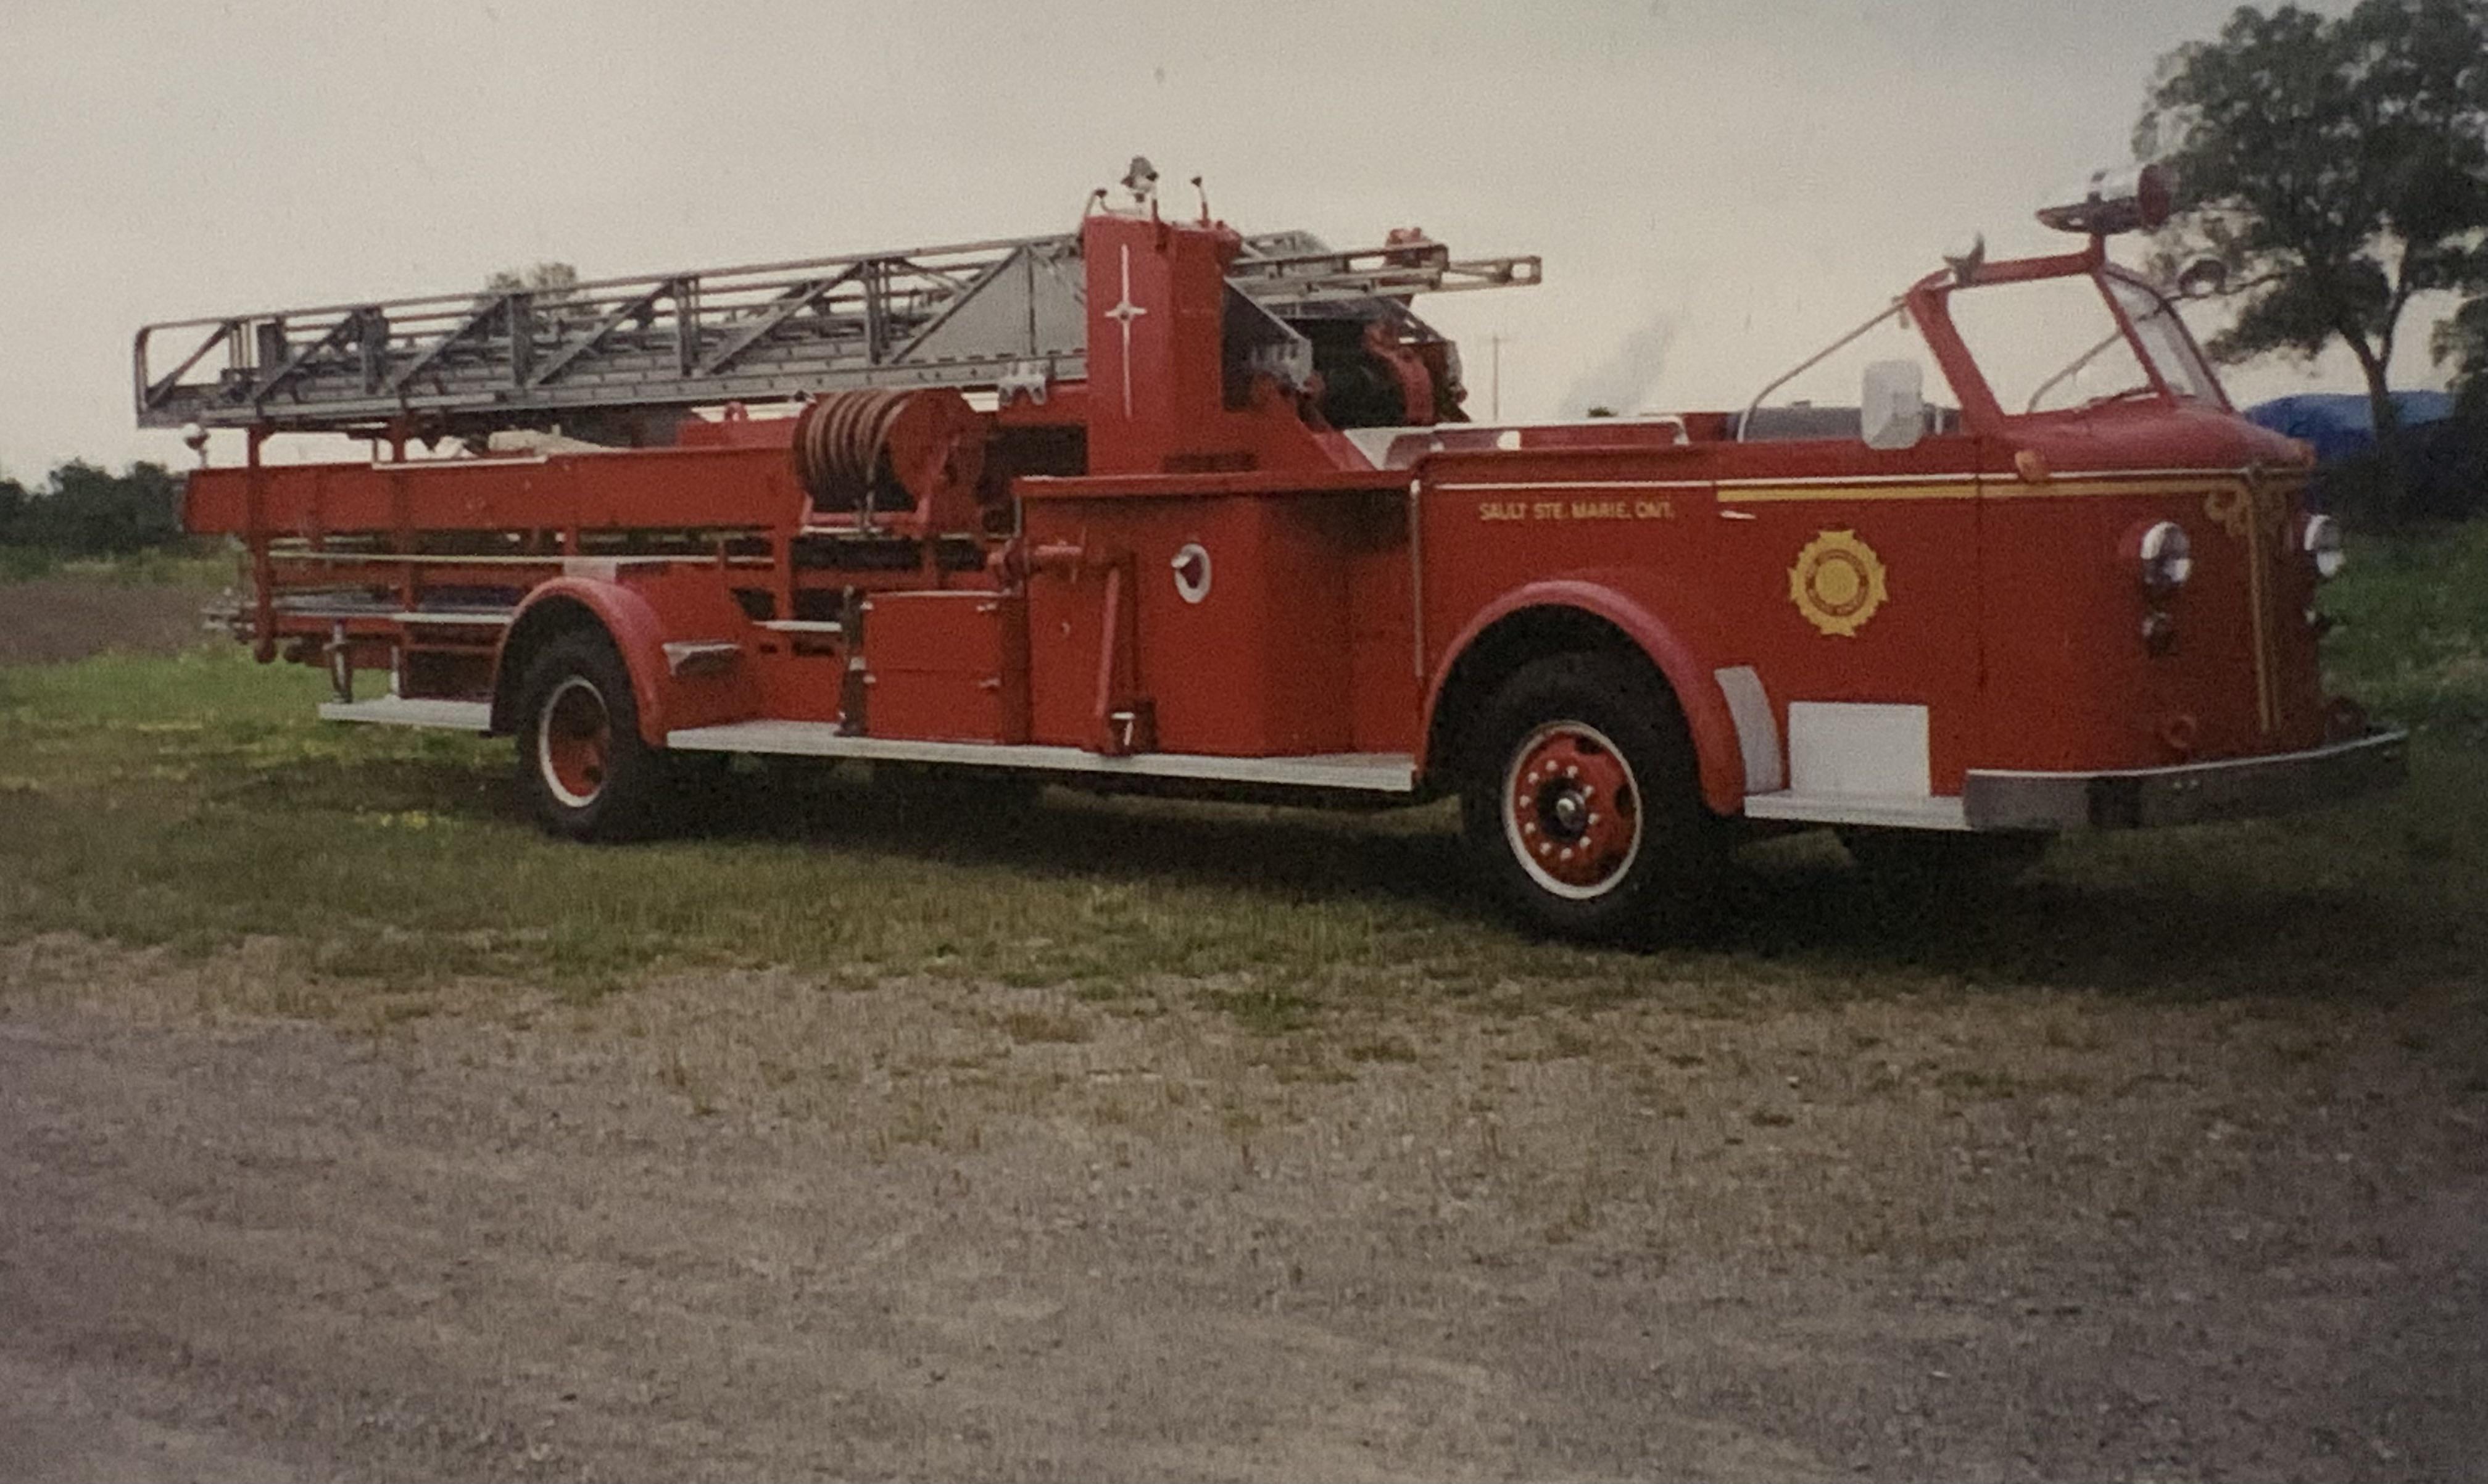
(2134, 198)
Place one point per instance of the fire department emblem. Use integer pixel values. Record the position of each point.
(1837, 583)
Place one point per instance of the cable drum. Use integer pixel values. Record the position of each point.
(841, 446)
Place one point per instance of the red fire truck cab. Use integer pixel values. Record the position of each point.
(1156, 504)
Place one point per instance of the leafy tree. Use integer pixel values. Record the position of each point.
(86, 511)
(12, 511)
(552, 279)
(2464, 341)
(2337, 167)
(554, 286)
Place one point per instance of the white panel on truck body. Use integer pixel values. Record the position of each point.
(1856, 749)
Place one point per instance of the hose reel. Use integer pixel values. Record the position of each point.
(907, 461)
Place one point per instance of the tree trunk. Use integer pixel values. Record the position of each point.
(2393, 485)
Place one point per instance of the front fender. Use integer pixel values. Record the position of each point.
(1627, 599)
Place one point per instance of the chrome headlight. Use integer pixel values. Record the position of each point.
(2321, 540)
(2166, 557)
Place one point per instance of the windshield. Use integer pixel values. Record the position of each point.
(2165, 340)
(2053, 344)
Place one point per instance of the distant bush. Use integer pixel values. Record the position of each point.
(2445, 469)
(19, 564)
(84, 510)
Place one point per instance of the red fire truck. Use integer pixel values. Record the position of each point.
(1157, 504)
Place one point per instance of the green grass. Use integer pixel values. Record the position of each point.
(193, 802)
(2413, 642)
(194, 563)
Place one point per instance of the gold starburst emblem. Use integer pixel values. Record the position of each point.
(1837, 583)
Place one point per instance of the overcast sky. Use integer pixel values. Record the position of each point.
(1718, 187)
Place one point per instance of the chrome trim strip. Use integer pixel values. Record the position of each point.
(700, 657)
(1574, 484)
(1758, 730)
(2187, 793)
(1843, 479)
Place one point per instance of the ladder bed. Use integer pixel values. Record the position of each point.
(1006, 314)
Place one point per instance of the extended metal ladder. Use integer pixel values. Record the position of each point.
(1003, 314)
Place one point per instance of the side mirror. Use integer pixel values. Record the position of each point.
(1891, 411)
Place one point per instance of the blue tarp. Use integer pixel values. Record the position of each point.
(2339, 424)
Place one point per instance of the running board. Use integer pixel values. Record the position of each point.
(404, 710)
(1364, 772)
(1903, 811)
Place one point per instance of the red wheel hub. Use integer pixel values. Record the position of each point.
(1572, 811)
(576, 742)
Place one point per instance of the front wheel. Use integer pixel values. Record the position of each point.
(586, 770)
(1582, 804)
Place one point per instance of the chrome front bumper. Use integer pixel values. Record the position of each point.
(2187, 793)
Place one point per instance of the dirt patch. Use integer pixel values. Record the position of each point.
(51, 619)
(749, 1224)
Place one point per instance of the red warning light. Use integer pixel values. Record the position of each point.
(2136, 198)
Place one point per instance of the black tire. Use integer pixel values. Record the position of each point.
(585, 770)
(1931, 865)
(1582, 803)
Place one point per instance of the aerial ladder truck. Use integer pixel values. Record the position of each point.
(1157, 504)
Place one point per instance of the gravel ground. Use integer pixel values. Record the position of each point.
(745, 1225)
(70, 618)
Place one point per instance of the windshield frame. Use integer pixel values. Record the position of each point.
(1930, 306)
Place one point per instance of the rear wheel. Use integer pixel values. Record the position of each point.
(1582, 804)
(582, 762)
